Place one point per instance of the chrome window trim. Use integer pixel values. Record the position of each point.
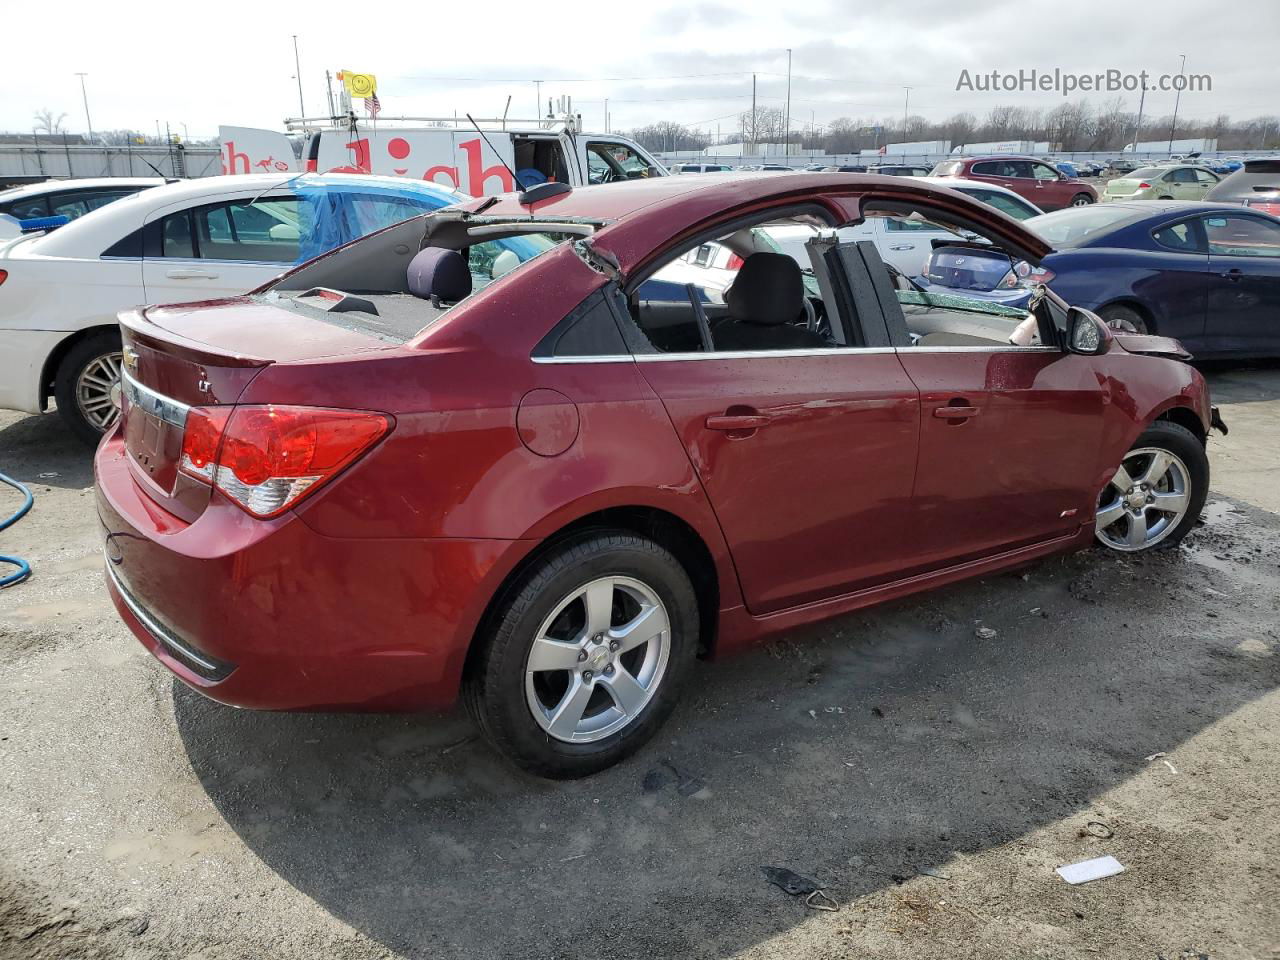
(994, 348)
(823, 352)
(755, 354)
(602, 358)
(153, 403)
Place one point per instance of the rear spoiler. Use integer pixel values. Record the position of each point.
(136, 328)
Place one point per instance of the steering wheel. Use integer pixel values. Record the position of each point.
(810, 316)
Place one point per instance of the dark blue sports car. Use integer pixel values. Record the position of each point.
(1207, 274)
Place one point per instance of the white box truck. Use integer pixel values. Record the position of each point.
(452, 153)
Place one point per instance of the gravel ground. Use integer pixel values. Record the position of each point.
(931, 778)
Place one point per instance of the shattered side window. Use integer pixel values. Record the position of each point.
(333, 213)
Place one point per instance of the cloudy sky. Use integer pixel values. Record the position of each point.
(686, 61)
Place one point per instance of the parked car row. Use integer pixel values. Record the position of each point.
(883, 169)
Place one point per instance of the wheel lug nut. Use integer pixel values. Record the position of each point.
(587, 675)
(614, 645)
(598, 638)
(608, 671)
(582, 655)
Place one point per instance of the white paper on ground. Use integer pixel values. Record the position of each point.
(1087, 870)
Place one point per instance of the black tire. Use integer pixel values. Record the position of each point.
(1124, 319)
(495, 691)
(89, 350)
(1081, 200)
(1183, 444)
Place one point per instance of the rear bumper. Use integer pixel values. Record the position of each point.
(272, 615)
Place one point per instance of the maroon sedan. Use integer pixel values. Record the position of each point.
(1032, 179)
(418, 467)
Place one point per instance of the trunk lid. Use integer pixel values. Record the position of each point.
(965, 268)
(202, 355)
(1122, 187)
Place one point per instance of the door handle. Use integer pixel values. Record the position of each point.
(903, 246)
(955, 413)
(732, 422)
(1235, 273)
(180, 274)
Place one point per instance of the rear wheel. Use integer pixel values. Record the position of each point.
(586, 656)
(1124, 319)
(87, 385)
(1081, 200)
(1157, 493)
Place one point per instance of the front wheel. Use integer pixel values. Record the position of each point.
(87, 385)
(1124, 320)
(1157, 493)
(586, 656)
(1081, 200)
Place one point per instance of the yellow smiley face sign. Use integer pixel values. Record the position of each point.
(360, 85)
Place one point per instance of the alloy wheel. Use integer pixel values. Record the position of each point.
(597, 660)
(1145, 500)
(98, 391)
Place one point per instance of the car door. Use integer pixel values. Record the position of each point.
(607, 161)
(1173, 277)
(1244, 283)
(1051, 191)
(1205, 179)
(807, 456)
(220, 249)
(1009, 439)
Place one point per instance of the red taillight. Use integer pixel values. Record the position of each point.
(267, 458)
(4, 275)
(735, 262)
(200, 441)
(1144, 185)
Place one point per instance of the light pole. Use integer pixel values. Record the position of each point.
(906, 102)
(1176, 100)
(786, 137)
(84, 93)
(297, 69)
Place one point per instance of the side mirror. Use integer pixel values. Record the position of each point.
(1086, 334)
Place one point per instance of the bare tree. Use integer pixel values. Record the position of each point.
(46, 122)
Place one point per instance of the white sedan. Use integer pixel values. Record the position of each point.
(64, 198)
(192, 240)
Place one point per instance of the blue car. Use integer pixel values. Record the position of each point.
(1207, 274)
(977, 272)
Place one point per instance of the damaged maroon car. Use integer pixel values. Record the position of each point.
(417, 468)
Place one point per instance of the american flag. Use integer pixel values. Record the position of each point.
(372, 106)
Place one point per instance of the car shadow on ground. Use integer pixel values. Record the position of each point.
(861, 753)
(42, 450)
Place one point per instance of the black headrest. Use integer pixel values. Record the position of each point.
(439, 272)
(769, 289)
